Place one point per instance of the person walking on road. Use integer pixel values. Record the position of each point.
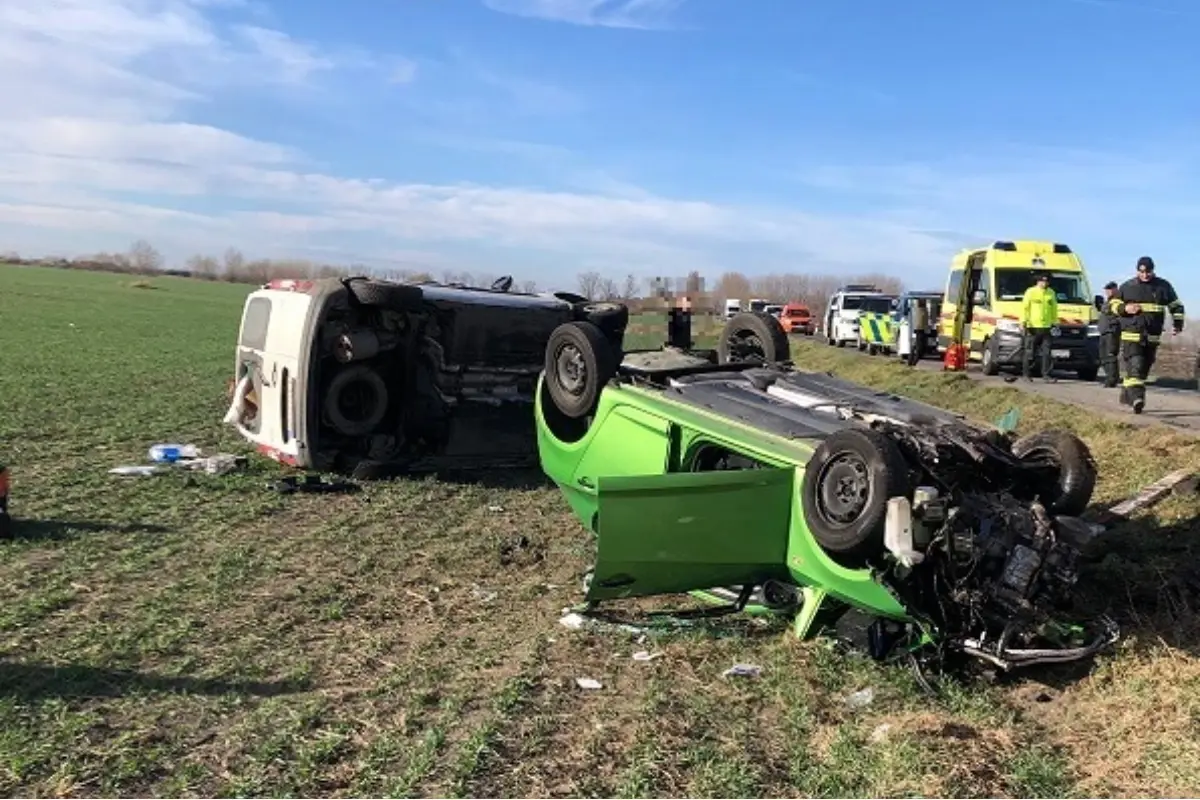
(1039, 313)
(1110, 337)
(1142, 305)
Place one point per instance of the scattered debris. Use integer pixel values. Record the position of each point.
(1008, 422)
(1149, 496)
(642, 655)
(170, 453)
(861, 699)
(496, 509)
(572, 621)
(311, 483)
(881, 732)
(743, 671)
(137, 470)
(220, 464)
(588, 683)
(483, 595)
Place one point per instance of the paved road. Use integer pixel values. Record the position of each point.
(1179, 408)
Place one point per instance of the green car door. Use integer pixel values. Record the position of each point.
(679, 532)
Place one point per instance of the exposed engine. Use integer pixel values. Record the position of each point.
(976, 555)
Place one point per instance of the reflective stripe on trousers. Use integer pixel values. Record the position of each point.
(1134, 336)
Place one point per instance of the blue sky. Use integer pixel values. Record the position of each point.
(548, 137)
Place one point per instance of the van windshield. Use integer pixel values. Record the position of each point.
(866, 302)
(877, 305)
(1071, 287)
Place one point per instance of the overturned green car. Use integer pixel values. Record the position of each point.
(734, 476)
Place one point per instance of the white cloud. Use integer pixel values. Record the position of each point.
(294, 61)
(642, 14)
(103, 140)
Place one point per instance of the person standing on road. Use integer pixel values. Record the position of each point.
(918, 329)
(1039, 313)
(1141, 305)
(1110, 337)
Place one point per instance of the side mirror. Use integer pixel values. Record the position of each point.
(979, 298)
(1098, 302)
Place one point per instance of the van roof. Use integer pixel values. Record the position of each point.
(1024, 246)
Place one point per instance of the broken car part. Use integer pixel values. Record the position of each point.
(734, 476)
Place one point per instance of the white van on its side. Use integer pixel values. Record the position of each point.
(371, 377)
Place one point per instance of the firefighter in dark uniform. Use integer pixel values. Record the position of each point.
(1143, 304)
(1110, 337)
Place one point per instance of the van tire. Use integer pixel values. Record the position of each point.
(379, 294)
(990, 357)
(365, 422)
(756, 329)
(610, 318)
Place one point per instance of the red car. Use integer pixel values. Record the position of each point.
(797, 318)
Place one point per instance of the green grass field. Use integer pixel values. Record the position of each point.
(198, 635)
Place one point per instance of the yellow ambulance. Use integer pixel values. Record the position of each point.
(988, 284)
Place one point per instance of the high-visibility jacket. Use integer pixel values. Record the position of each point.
(1039, 307)
(1157, 299)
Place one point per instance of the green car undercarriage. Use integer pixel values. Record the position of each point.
(732, 476)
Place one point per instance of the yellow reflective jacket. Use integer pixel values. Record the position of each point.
(1039, 308)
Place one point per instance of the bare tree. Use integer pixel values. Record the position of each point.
(607, 290)
(203, 267)
(732, 286)
(630, 290)
(589, 284)
(144, 258)
(528, 287)
(235, 265)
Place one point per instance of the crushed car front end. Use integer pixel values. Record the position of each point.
(811, 495)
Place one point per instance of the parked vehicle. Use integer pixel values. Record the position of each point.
(797, 318)
(986, 285)
(733, 307)
(735, 476)
(371, 377)
(842, 315)
(903, 317)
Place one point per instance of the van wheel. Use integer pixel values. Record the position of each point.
(990, 358)
(610, 318)
(753, 335)
(356, 400)
(378, 294)
(579, 362)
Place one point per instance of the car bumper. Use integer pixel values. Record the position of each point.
(1067, 352)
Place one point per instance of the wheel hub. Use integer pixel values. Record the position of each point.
(844, 488)
(745, 343)
(572, 370)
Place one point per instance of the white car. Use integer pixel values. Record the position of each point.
(371, 377)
